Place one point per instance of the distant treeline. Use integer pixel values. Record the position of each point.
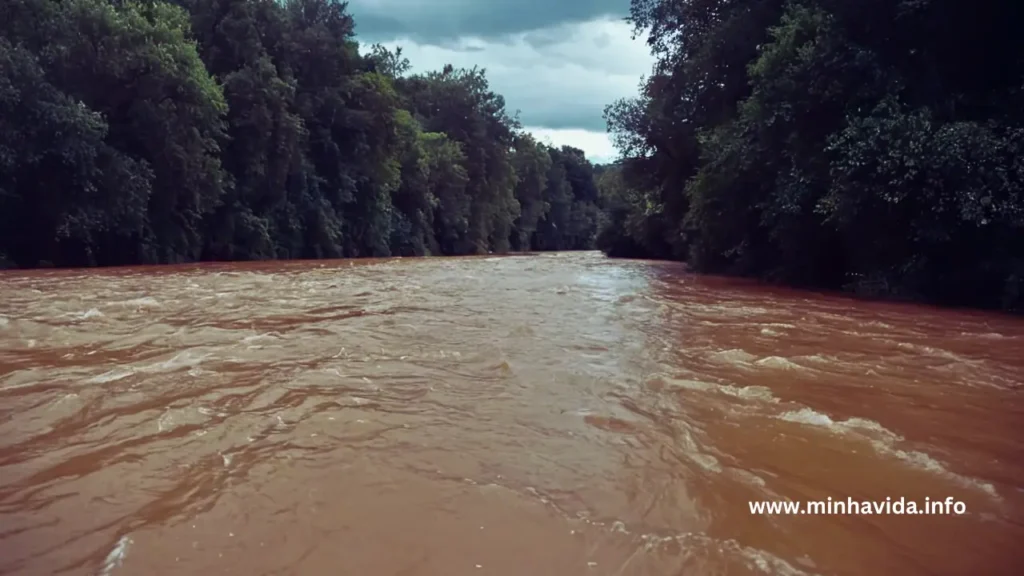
(873, 145)
(870, 145)
(159, 132)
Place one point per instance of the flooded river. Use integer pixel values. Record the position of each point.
(559, 414)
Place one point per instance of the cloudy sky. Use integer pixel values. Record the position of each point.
(558, 62)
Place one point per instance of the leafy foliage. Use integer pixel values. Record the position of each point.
(141, 131)
(872, 145)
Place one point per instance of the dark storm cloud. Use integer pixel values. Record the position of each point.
(436, 21)
(560, 77)
(558, 63)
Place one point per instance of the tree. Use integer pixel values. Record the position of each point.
(144, 131)
(133, 66)
(830, 143)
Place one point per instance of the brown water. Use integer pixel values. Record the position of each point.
(558, 414)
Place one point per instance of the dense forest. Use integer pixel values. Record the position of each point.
(870, 145)
(140, 131)
(875, 146)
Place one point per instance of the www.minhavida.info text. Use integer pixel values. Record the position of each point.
(898, 506)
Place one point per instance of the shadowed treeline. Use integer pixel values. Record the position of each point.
(874, 145)
(157, 132)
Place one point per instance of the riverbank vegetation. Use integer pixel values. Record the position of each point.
(139, 131)
(872, 145)
(869, 145)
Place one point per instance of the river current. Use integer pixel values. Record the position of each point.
(557, 414)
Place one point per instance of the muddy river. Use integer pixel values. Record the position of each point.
(560, 414)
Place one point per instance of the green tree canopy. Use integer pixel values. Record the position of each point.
(146, 132)
(870, 145)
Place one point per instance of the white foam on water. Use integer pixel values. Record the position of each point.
(883, 441)
(186, 359)
(65, 398)
(733, 356)
(934, 352)
(744, 392)
(819, 359)
(732, 310)
(926, 462)
(813, 418)
(754, 558)
(164, 421)
(750, 392)
(807, 416)
(88, 314)
(688, 384)
(763, 561)
(985, 335)
(145, 302)
(116, 555)
(114, 375)
(878, 324)
(256, 337)
(775, 328)
(779, 363)
(705, 461)
(748, 477)
(878, 429)
(4, 322)
(692, 451)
